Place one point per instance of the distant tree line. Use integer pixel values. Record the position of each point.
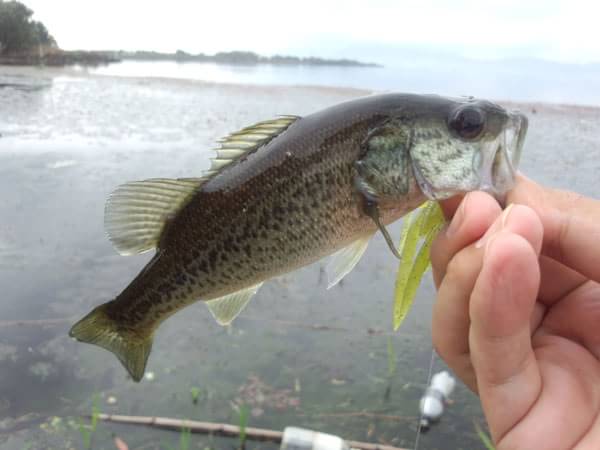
(18, 33)
(239, 57)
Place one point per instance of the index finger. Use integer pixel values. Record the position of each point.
(571, 225)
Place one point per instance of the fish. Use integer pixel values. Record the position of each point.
(287, 192)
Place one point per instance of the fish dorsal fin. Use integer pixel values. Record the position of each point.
(136, 212)
(247, 140)
(344, 260)
(225, 309)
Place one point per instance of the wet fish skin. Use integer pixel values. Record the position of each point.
(303, 195)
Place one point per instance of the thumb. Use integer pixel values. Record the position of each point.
(500, 309)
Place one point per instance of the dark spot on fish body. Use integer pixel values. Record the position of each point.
(181, 279)
(203, 266)
(164, 288)
(212, 259)
(144, 306)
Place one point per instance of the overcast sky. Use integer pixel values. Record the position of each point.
(559, 30)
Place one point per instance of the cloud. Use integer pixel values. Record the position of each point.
(559, 30)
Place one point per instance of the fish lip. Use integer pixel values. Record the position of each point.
(522, 123)
(499, 167)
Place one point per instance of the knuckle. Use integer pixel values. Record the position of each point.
(455, 271)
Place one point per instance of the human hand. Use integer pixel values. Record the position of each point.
(517, 315)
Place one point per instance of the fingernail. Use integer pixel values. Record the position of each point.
(497, 226)
(505, 215)
(458, 218)
(488, 243)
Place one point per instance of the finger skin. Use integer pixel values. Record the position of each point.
(451, 320)
(535, 364)
(471, 220)
(565, 411)
(571, 233)
(500, 337)
(577, 317)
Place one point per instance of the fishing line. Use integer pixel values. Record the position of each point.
(427, 384)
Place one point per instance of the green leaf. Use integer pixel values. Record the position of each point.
(421, 224)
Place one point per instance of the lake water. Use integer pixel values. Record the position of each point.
(501, 80)
(298, 355)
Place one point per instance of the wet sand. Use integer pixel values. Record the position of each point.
(68, 139)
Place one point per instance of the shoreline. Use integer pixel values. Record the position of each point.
(80, 71)
(58, 58)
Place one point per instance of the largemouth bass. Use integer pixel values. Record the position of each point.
(287, 192)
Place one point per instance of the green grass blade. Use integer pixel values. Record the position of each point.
(433, 217)
(185, 438)
(392, 361)
(407, 249)
(485, 439)
(421, 265)
(421, 224)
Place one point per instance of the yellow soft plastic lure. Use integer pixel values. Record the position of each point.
(418, 231)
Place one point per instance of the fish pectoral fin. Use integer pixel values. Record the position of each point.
(136, 213)
(225, 309)
(371, 209)
(343, 261)
(131, 347)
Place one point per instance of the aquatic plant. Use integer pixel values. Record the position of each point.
(392, 360)
(87, 430)
(419, 229)
(483, 436)
(195, 393)
(185, 437)
(243, 414)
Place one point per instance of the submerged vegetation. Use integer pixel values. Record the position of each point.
(87, 430)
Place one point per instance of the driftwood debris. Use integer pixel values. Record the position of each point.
(219, 429)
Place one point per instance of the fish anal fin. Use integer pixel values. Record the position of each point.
(136, 212)
(344, 260)
(225, 309)
(131, 347)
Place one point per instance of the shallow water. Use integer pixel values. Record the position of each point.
(522, 80)
(298, 355)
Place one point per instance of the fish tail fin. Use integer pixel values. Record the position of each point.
(131, 346)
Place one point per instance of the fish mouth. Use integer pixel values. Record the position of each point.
(500, 158)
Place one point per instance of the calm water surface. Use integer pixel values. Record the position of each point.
(298, 355)
(502, 80)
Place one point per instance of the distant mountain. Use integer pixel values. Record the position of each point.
(239, 57)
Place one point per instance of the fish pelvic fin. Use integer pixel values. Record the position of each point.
(131, 346)
(343, 261)
(225, 309)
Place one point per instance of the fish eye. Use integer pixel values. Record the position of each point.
(468, 122)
